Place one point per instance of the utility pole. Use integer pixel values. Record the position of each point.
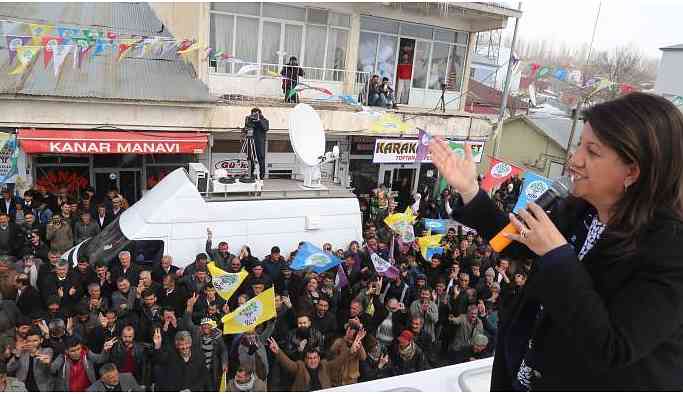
(506, 88)
(580, 100)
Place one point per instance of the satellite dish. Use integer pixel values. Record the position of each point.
(308, 140)
(306, 134)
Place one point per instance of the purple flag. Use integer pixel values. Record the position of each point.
(341, 280)
(13, 42)
(383, 267)
(423, 139)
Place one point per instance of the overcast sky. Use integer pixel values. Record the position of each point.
(648, 24)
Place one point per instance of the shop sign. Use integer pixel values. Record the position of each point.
(404, 150)
(234, 166)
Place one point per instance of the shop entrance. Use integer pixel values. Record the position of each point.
(392, 176)
(126, 181)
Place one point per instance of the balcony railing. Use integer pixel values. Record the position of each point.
(264, 81)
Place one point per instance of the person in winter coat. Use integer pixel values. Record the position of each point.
(602, 306)
(427, 309)
(302, 337)
(75, 369)
(10, 236)
(30, 356)
(59, 234)
(113, 381)
(290, 79)
(85, 228)
(407, 357)
(220, 256)
(377, 365)
(246, 380)
(467, 326)
(312, 373)
(209, 341)
(348, 372)
(180, 367)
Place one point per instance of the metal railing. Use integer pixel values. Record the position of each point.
(339, 81)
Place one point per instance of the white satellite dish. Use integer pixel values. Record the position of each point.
(307, 137)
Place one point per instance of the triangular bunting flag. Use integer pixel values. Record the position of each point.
(68, 34)
(59, 53)
(38, 31)
(14, 42)
(50, 42)
(499, 172)
(25, 56)
(125, 46)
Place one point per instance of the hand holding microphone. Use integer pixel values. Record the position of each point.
(535, 229)
(540, 234)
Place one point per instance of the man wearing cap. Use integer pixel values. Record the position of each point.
(210, 340)
(407, 357)
(348, 372)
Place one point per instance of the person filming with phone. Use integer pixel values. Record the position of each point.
(602, 307)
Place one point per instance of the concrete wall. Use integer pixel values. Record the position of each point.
(669, 77)
(522, 145)
(215, 118)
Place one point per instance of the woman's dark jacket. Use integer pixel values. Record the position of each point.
(609, 324)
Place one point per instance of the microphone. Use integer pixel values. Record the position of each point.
(558, 190)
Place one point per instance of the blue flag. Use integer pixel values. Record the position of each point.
(432, 250)
(312, 258)
(438, 226)
(532, 188)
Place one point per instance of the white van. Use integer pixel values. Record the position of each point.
(177, 214)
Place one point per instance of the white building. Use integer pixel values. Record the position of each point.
(669, 78)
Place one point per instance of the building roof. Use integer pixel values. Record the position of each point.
(557, 128)
(484, 97)
(149, 78)
(672, 47)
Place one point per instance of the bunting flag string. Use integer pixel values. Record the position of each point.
(538, 71)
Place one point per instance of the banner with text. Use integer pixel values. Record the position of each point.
(405, 150)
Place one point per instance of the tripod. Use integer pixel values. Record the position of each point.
(249, 149)
(442, 99)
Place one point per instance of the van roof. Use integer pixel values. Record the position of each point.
(283, 188)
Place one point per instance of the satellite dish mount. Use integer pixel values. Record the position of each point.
(308, 140)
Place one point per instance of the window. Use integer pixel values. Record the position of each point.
(317, 16)
(445, 35)
(378, 24)
(420, 31)
(386, 57)
(368, 52)
(281, 11)
(315, 47)
(341, 20)
(437, 73)
(462, 38)
(456, 65)
(238, 8)
(336, 53)
(270, 44)
(222, 27)
(292, 44)
(246, 43)
(421, 64)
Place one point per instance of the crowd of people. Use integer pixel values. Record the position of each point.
(131, 324)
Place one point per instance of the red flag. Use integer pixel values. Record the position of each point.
(625, 88)
(49, 42)
(499, 172)
(534, 69)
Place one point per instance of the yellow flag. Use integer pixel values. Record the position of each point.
(224, 383)
(254, 312)
(38, 31)
(428, 241)
(25, 56)
(225, 283)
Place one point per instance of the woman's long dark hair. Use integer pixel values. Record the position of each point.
(646, 130)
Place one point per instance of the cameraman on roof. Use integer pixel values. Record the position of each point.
(257, 125)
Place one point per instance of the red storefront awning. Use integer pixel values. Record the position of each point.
(94, 142)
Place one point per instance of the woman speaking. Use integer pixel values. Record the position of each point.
(603, 306)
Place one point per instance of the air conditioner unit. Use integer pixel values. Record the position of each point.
(199, 175)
